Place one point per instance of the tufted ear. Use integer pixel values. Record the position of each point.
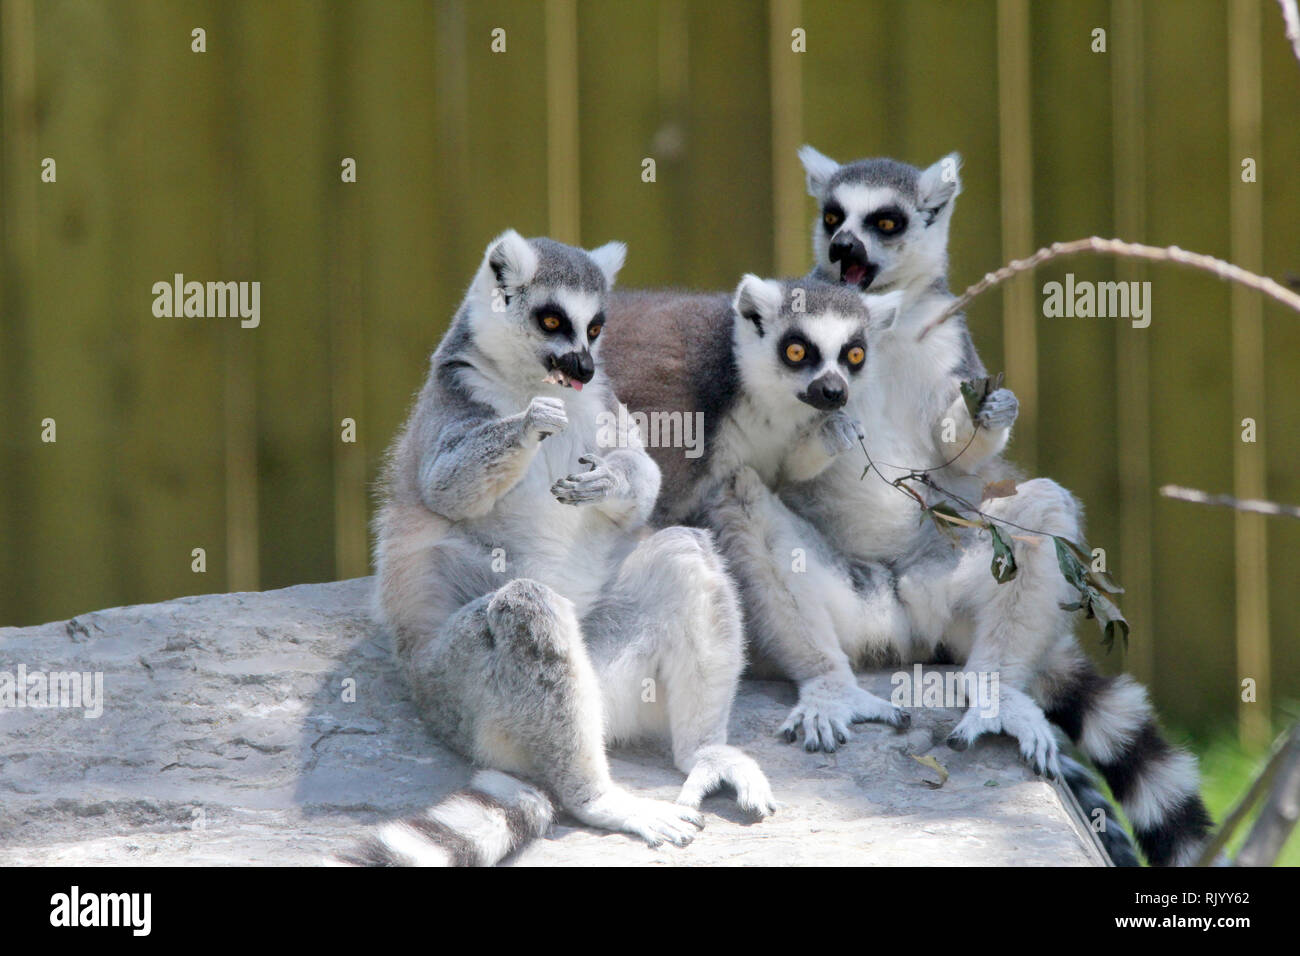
(883, 309)
(938, 186)
(609, 259)
(509, 262)
(819, 170)
(758, 301)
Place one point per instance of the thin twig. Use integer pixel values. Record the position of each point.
(1118, 247)
(1291, 17)
(1227, 501)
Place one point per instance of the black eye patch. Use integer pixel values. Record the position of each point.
(795, 351)
(887, 221)
(855, 348)
(553, 320)
(832, 216)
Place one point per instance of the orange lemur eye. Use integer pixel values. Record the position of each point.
(795, 352)
(831, 219)
(550, 322)
(886, 224)
(593, 331)
(856, 355)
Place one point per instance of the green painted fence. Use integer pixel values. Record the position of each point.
(182, 433)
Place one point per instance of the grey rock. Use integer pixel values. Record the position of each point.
(227, 737)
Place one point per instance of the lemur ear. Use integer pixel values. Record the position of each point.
(938, 186)
(883, 308)
(609, 258)
(510, 261)
(819, 168)
(757, 300)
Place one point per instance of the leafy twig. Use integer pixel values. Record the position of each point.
(1118, 247)
(1254, 505)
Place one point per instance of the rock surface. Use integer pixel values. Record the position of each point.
(227, 737)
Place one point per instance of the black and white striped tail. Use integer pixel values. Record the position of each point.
(1111, 721)
(1097, 807)
(478, 826)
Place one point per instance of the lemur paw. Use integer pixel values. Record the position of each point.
(545, 416)
(1018, 716)
(719, 764)
(655, 821)
(593, 485)
(999, 410)
(839, 433)
(828, 705)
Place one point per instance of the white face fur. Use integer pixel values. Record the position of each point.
(537, 310)
(797, 360)
(881, 228)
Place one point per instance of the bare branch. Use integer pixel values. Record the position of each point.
(1277, 817)
(1227, 501)
(1130, 250)
(1214, 846)
(1291, 17)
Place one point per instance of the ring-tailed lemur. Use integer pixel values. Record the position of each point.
(536, 620)
(883, 225)
(770, 370)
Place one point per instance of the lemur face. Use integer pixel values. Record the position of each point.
(541, 306)
(799, 339)
(881, 224)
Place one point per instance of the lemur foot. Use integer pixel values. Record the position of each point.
(655, 821)
(719, 764)
(1018, 716)
(999, 410)
(828, 705)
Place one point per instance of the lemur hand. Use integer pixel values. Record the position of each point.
(998, 410)
(545, 416)
(840, 433)
(585, 487)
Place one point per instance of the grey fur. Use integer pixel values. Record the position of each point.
(527, 602)
(669, 352)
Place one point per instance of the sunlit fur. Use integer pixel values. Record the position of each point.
(914, 416)
(537, 619)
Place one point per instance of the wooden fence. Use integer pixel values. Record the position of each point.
(183, 433)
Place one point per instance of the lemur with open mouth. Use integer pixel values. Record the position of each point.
(883, 226)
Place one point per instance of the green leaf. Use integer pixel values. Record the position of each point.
(1112, 620)
(1004, 559)
(1071, 569)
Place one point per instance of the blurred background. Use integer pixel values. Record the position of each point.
(183, 433)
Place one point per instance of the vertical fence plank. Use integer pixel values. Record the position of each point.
(1020, 338)
(19, 181)
(1245, 210)
(1281, 198)
(342, 203)
(562, 168)
(1132, 346)
(1192, 432)
(786, 81)
(624, 121)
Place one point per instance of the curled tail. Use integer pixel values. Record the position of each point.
(477, 826)
(1111, 721)
(1112, 834)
